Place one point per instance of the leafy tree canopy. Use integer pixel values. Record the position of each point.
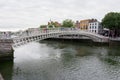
(55, 24)
(111, 20)
(43, 26)
(68, 23)
(50, 26)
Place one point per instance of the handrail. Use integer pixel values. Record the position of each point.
(43, 31)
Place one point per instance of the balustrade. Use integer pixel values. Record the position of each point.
(55, 32)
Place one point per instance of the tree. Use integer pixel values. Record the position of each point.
(112, 22)
(54, 24)
(50, 26)
(68, 23)
(43, 26)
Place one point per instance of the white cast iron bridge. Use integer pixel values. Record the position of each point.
(69, 33)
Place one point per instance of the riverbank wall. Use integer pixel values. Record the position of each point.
(6, 50)
(88, 41)
(114, 43)
(82, 41)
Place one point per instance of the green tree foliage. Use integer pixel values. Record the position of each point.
(56, 24)
(68, 23)
(53, 24)
(50, 26)
(43, 26)
(111, 20)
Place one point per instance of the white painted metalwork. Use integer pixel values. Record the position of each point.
(55, 33)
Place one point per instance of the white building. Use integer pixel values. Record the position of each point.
(95, 27)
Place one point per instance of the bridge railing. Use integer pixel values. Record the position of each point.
(49, 30)
(39, 32)
(58, 30)
(55, 32)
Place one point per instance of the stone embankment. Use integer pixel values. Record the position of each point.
(6, 50)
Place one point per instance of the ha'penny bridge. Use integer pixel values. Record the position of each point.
(67, 33)
(7, 44)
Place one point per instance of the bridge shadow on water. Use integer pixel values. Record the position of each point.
(84, 46)
(87, 42)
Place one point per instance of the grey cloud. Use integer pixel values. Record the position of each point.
(19, 14)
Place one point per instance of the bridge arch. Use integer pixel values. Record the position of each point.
(57, 34)
(94, 37)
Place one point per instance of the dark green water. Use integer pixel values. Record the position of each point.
(54, 60)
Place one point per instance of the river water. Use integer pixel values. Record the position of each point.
(59, 60)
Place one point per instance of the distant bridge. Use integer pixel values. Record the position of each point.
(71, 33)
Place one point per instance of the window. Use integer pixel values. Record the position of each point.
(95, 27)
(95, 31)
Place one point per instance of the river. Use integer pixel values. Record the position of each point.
(63, 60)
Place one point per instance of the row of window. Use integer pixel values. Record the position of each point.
(95, 31)
(93, 27)
(93, 23)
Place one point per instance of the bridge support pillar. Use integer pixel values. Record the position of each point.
(6, 50)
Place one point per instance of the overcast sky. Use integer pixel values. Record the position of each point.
(22, 14)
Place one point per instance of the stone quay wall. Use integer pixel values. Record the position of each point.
(6, 50)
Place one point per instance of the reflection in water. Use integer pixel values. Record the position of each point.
(53, 60)
(114, 51)
(6, 69)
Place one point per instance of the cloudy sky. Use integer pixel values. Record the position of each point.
(21, 14)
